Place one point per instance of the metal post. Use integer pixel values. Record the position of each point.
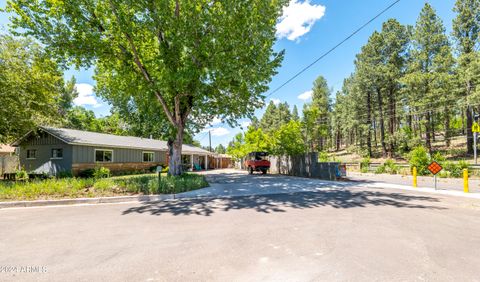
(465, 180)
(414, 173)
(475, 146)
(435, 180)
(210, 140)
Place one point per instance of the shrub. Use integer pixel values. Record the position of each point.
(388, 166)
(451, 169)
(86, 173)
(101, 172)
(65, 174)
(21, 175)
(365, 164)
(420, 159)
(323, 157)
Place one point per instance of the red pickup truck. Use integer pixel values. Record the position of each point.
(257, 161)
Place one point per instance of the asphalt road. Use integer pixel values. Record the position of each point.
(338, 234)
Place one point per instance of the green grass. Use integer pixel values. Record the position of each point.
(87, 188)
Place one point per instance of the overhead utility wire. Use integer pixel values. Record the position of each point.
(333, 48)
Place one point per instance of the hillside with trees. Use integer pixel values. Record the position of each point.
(412, 86)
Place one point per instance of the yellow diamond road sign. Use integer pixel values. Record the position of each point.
(475, 127)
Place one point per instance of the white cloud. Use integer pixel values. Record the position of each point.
(306, 95)
(298, 18)
(215, 121)
(85, 95)
(245, 124)
(217, 131)
(220, 131)
(275, 101)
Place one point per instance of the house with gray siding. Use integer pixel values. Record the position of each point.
(53, 150)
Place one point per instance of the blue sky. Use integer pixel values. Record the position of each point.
(308, 29)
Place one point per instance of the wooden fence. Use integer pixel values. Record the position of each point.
(304, 166)
(8, 164)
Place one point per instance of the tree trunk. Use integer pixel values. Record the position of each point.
(337, 141)
(432, 126)
(391, 122)
(369, 124)
(428, 131)
(175, 153)
(382, 123)
(447, 126)
(469, 130)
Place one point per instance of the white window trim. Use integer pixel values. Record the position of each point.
(35, 154)
(95, 156)
(148, 152)
(56, 158)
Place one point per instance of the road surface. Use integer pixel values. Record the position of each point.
(332, 234)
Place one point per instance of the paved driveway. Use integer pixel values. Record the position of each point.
(333, 234)
(230, 182)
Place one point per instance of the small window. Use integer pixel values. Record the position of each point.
(148, 157)
(31, 154)
(103, 156)
(57, 154)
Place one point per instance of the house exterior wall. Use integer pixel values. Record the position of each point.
(123, 159)
(43, 163)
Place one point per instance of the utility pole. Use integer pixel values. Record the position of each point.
(210, 140)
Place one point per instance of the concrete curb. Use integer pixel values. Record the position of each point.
(382, 185)
(79, 201)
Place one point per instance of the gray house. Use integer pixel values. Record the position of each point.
(52, 150)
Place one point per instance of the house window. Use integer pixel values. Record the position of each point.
(31, 154)
(148, 157)
(103, 156)
(57, 154)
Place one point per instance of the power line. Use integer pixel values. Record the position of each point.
(333, 48)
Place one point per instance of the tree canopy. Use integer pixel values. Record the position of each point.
(194, 59)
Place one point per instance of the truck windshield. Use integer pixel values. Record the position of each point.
(260, 156)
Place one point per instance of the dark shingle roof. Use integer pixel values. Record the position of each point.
(87, 138)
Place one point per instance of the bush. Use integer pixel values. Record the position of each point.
(101, 172)
(388, 166)
(451, 169)
(323, 157)
(21, 175)
(87, 173)
(364, 165)
(420, 159)
(65, 174)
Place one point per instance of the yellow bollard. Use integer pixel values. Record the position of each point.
(465, 180)
(414, 173)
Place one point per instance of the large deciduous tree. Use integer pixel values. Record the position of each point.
(195, 59)
(31, 84)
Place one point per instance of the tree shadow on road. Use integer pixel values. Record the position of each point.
(336, 198)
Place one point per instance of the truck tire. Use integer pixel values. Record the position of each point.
(264, 171)
(250, 170)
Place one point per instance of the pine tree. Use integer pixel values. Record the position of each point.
(466, 29)
(431, 61)
(295, 116)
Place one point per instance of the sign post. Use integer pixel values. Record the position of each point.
(475, 130)
(434, 168)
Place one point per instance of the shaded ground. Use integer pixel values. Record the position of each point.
(336, 233)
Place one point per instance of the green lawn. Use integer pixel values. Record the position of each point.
(146, 184)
